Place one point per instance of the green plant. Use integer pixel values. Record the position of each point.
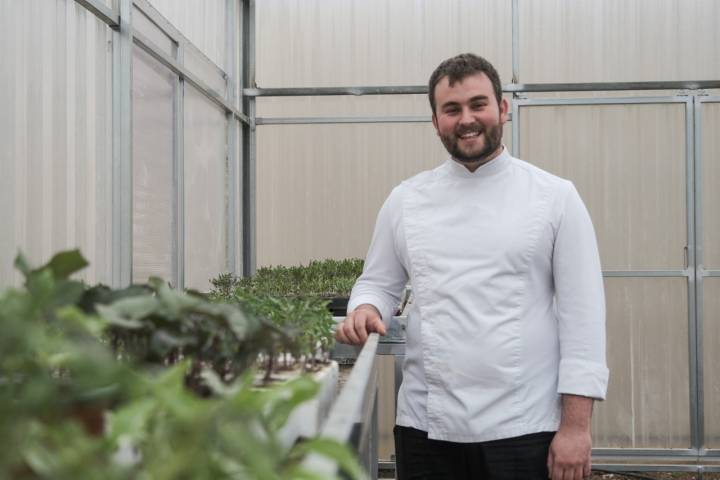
(325, 279)
(56, 364)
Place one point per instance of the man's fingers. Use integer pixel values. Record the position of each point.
(376, 325)
(355, 328)
(360, 331)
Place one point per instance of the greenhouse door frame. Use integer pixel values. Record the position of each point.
(693, 273)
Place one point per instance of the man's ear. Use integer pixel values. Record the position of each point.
(435, 123)
(504, 110)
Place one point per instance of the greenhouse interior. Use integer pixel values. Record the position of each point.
(188, 186)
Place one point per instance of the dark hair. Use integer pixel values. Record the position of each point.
(459, 67)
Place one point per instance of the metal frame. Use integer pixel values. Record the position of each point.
(695, 380)
(249, 187)
(353, 417)
(122, 146)
(701, 272)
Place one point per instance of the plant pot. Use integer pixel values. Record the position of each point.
(338, 306)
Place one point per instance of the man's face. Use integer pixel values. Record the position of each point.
(469, 120)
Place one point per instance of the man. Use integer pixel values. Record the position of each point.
(505, 339)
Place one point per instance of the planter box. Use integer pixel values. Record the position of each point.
(307, 420)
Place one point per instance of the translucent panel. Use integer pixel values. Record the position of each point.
(711, 360)
(55, 135)
(153, 183)
(628, 163)
(203, 23)
(205, 191)
(375, 42)
(320, 187)
(710, 151)
(647, 405)
(617, 40)
(145, 26)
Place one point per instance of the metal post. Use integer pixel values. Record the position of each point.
(515, 42)
(179, 167)
(249, 154)
(695, 427)
(231, 97)
(694, 149)
(122, 148)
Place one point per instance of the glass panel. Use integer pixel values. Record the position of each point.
(615, 40)
(153, 191)
(320, 187)
(375, 42)
(205, 191)
(628, 163)
(710, 151)
(647, 405)
(142, 24)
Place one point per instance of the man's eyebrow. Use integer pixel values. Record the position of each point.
(476, 98)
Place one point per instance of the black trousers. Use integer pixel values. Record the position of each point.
(518, 458)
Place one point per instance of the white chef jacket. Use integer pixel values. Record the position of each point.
(509, 309)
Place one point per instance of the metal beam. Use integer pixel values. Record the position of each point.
(249, 160)
(110, 16)
(122, 203)
(153, 50)
(509, 88)
(325, 91)
(334, 120)
(231, 32)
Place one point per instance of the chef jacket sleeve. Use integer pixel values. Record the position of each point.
(580, 302)
(384, 275)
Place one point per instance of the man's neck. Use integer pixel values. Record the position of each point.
(472, 166)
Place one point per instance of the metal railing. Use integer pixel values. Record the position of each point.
(353, 417)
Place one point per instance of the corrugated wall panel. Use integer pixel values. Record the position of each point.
(374, 42)
(202, 23)
(56, 101)
(618, 40)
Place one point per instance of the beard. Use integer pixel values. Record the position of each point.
(493, 139)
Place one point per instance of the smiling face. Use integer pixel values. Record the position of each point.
(469, 120)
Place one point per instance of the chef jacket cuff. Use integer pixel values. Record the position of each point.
(584, 378)
(386, 311)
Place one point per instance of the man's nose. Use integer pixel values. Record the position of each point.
(466, 116)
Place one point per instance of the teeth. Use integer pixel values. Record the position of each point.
(469, 134)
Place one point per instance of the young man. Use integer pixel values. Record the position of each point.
(505, 344)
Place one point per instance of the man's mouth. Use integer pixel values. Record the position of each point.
(468, 135)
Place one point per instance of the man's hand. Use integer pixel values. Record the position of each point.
(569, 457)
(358, 324)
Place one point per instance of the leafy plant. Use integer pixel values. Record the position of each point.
(325, 279)
(56, 364)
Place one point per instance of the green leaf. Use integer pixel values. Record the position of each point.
(115, 318)
(334, 450)
(66, 263)
(22, 264)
